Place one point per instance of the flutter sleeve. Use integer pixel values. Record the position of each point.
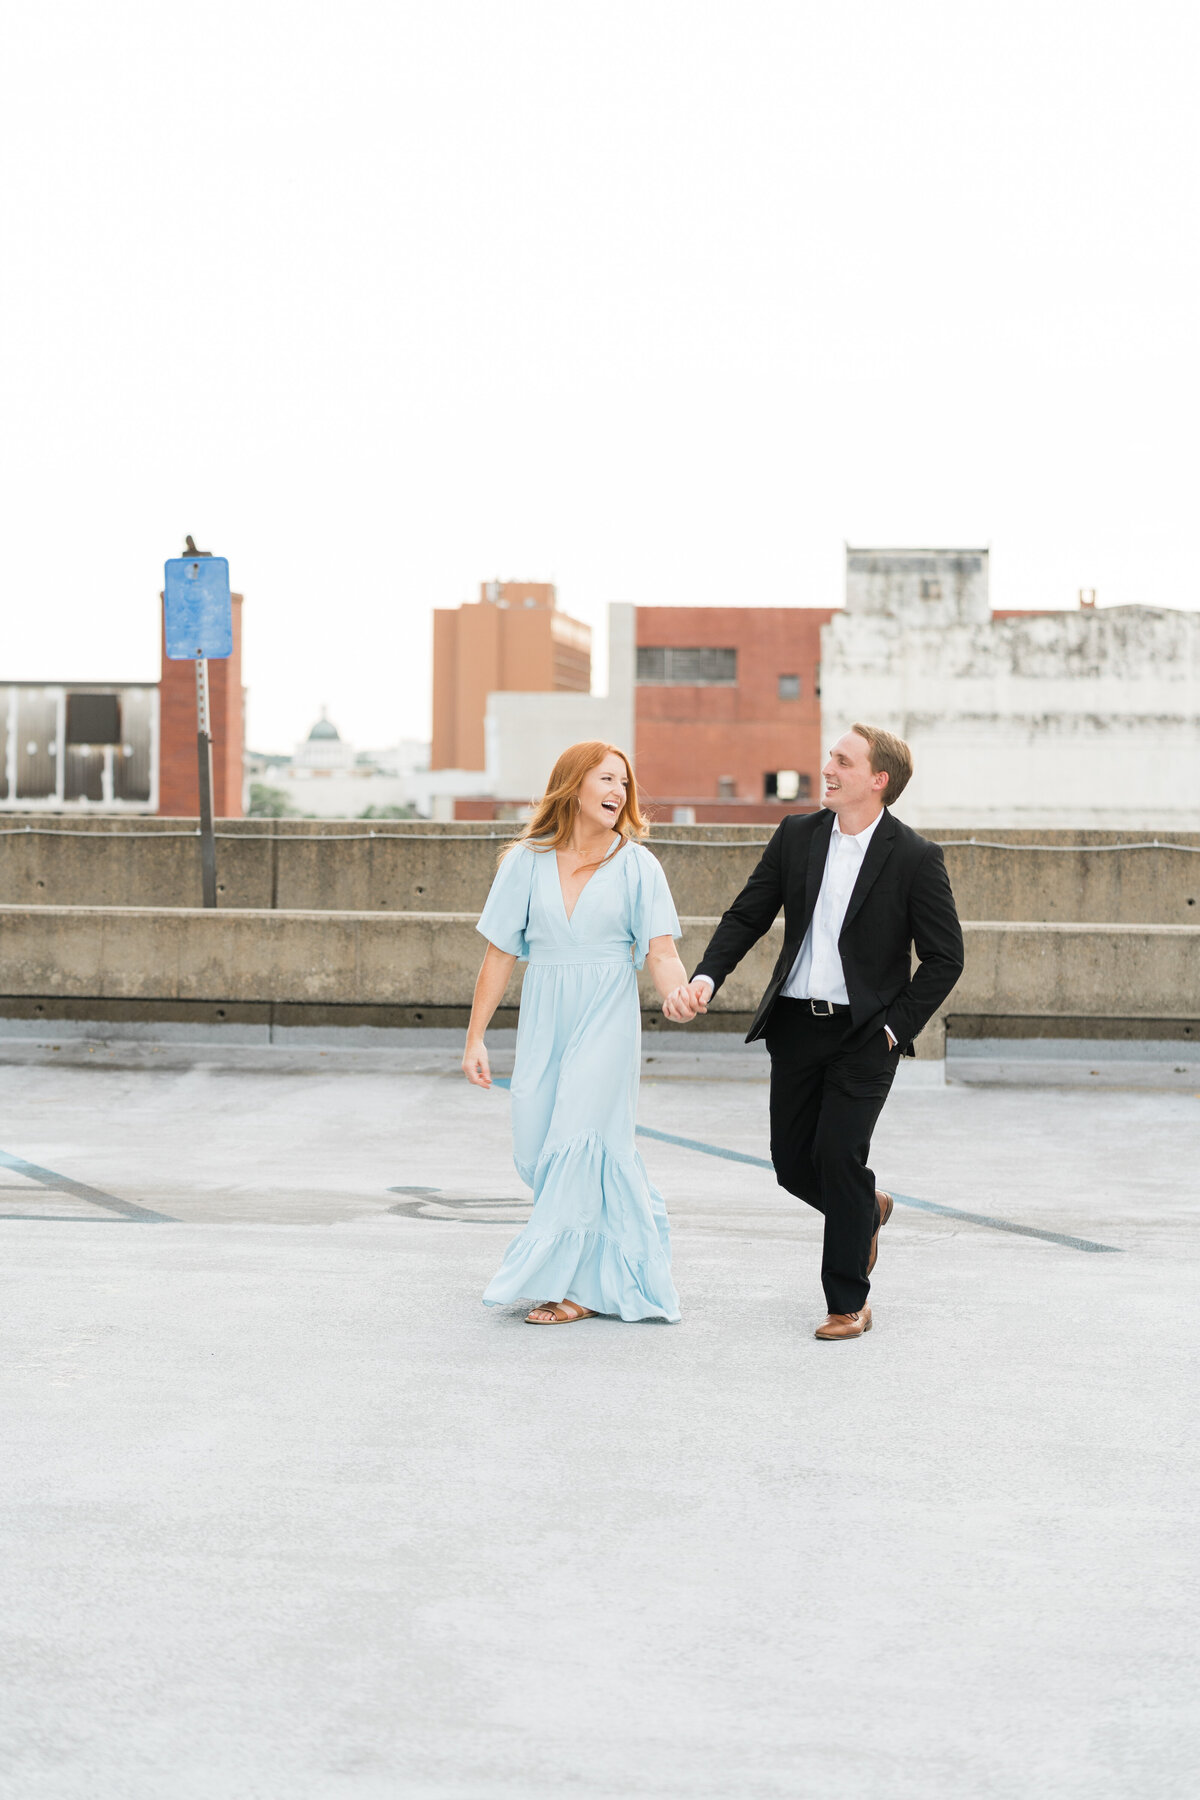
(654, 912)
(504, 920)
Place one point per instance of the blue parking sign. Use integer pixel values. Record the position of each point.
(197, 609)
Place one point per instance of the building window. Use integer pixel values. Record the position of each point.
(686, 668)
(786, 784)
(931, 590)
(93, 719)
(726, 787)
(789, 687)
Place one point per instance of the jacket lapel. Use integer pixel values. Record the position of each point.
(878, 851)
(818, 852)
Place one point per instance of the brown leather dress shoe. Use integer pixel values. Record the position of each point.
(886, 1205)
(844, 1325)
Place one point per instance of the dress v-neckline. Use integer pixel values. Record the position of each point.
(569, 916)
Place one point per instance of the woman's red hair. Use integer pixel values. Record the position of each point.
(553, 818)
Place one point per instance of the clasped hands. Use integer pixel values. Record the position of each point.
(684, 1002)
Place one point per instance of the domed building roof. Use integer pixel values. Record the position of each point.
(324, 751)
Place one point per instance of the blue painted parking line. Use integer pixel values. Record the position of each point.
(668, 1137)
(931, 1206)
(129, 1212)
(1050, 1237)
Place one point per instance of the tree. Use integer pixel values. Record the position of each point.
(269, 803)
(389, 812)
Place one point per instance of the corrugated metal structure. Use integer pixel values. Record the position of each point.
(66, 747)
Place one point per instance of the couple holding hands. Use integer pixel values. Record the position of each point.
(582, 900)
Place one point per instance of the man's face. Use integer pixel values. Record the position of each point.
(848, 777)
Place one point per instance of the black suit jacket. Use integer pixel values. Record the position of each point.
(902, 897)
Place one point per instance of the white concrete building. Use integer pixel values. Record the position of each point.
(1058, 720)
(323, 752)
(525, 733)
(329, 779)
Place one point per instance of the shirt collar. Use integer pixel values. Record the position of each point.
(860, 839)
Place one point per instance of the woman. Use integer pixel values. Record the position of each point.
(582, 900)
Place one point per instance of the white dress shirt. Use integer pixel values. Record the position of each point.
(817, 972)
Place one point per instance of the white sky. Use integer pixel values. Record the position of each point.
(661, 301)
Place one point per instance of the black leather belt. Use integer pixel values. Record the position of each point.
(820, 1009)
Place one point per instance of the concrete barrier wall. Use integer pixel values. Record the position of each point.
(431, 960)
(336, 866)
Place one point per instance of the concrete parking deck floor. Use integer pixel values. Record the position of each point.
(288, 1513)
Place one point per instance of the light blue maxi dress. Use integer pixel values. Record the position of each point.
(598, 1233)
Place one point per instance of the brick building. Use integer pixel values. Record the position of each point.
(513, 639)
(720, 705)
(728, 709)
(178, 779)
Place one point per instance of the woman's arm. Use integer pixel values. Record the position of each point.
(666, 970)
(490, 984)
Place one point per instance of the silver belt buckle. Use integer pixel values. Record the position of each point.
(827, 1004)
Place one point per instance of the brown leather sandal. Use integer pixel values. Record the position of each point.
(565, 1312)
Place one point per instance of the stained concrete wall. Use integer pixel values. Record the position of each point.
(410, 867)
(1086, 720)
(431, 959)
(935, 587)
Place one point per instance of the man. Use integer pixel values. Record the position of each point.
(858, 890)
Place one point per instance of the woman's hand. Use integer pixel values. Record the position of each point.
(684, 1002)
(494, 971)
(670, 978)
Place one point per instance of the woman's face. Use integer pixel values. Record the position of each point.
(602, 794)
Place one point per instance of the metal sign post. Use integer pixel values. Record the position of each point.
(198, 619)
(208, 842)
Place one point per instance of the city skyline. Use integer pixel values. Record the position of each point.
(660, 303)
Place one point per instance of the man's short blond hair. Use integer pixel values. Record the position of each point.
(890, 756)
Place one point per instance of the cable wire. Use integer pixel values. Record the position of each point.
(498, 837)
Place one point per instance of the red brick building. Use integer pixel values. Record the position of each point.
(728, 709)
(726, 712)
(178, 779)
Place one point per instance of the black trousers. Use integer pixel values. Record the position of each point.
(825, 1100)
